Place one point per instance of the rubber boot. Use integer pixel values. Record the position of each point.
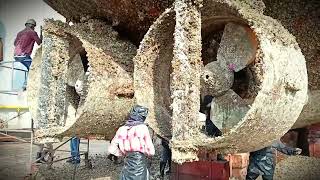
(162, 167)
(220, 157)
(169, 170)
(69, 160)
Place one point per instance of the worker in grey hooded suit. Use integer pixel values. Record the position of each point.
(262, 162)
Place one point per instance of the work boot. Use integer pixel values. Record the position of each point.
(73, 161)
(76, 161)
(169, 170)
(220, 157)
(69, 160)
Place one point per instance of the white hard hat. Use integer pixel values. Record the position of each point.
(31, 21)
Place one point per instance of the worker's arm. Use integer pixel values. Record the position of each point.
(148, 141)
(36, 38)
(114, 145)
(279, 146)
(41, 37)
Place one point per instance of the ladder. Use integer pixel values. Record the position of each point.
(4, 65)
(20, 109)
(12, 91)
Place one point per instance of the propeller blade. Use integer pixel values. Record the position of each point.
(238, 46)
(228, 110)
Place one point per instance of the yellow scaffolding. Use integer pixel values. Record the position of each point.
(17, 108)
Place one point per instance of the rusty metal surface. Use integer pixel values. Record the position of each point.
(107, 90)
(280, 97)
(278, 84)
(301, 18)
(132, 17)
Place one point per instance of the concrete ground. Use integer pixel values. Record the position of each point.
(103, 168)
(14, 163)
(14, 160)
(15, 156)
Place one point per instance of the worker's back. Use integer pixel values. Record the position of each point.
(267, 151)
(24, 42)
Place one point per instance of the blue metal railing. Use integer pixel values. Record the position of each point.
(12, 90)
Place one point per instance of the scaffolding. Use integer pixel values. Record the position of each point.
(3, 65)
(47, 151)
(20, 109)
(15, 108)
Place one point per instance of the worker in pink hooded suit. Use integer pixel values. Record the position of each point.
(134, 142)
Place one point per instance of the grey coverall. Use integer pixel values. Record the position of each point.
(262, 162)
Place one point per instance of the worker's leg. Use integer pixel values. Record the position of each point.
(162, 167)
(252, 171)
(271, 171)
(75, 142)
(251, 176)
(169, 160)
(72, 149)
(165, 155)
(26, 61)
(77, 148)
(269, 177)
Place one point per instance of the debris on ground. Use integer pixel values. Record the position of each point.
(298, 168)
(102, 167)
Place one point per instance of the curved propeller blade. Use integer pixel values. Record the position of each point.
(227, 110)
(238, 46)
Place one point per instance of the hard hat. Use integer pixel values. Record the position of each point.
(31, 21)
